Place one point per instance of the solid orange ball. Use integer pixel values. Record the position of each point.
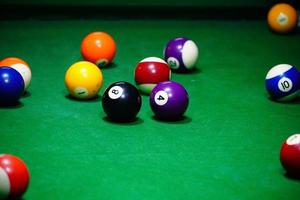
(282, 18)
(98, 48)
(13, 60)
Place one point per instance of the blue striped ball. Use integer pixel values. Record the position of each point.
(283, 82)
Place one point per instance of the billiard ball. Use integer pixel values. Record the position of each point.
(98, 48)
(181, 54)
(121, 102)
(169, 100)
(149, 72)
(290, 155)
(282, 18)
(14, 177)
(283, 82)
(83, 79)
(21, 66)
(11, 86)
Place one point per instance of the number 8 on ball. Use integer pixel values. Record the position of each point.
(115, 92)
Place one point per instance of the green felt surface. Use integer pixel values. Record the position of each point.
(226, 147)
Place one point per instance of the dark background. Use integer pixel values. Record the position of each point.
(187, 9)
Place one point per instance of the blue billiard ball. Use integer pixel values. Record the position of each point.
(283, 82)
(12, 86)
(181, 54)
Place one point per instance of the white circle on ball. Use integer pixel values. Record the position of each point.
(285, 84)
(115, 92)
(161, 98)
(173, 63)
(282, 19)
(293, 140)
(25, 73)
(81, 92)
(102, 62)
(189, 54)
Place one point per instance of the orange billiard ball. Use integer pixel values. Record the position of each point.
(83, 80)
(14, 177)
(21, 66)
(282, 18)
(98, 48)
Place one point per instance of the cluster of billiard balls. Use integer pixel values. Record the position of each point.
(282, 18)
(15, 77)
(122, 101)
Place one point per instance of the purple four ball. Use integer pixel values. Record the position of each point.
(169, 100)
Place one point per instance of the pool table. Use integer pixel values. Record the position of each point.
(225, 147)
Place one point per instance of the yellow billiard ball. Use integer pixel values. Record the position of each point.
(282, 18)
(83, 80)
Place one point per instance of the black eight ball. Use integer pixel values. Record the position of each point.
(121, 101)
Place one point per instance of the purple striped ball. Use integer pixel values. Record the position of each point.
(181, 54)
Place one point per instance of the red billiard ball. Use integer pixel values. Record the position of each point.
(14, 177)
(290, 155)
(149, 72)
